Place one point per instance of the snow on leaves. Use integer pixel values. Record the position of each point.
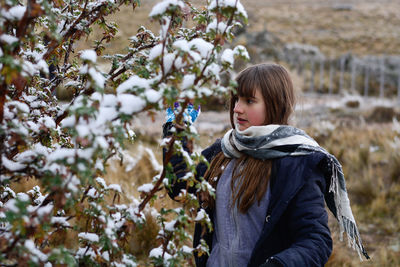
(66, 147)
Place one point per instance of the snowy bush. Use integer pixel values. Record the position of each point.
(67, 147)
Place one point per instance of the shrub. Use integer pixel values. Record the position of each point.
(67, 147)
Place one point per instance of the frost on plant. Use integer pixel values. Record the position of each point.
(65, 147)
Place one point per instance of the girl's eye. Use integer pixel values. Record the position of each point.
(250, 101)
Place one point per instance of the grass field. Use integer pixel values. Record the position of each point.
(367, 148)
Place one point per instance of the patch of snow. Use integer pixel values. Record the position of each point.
(152, 95)
(162, 7)
(227, 56)
(168, 61)
(202, 46)
(91, 237)
(130, 103)
(89, 55)
(115, 187)
(97, 77)
(132, 83)
(145, 188)
(188, 81)
(200, 215)
(12, 165)
(155, 52)
(30, 246)
(181, 45)
(216, 26)
(9, 39)
(60, 220)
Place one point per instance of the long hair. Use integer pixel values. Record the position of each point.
(250, 176)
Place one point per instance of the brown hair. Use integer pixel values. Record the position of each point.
(250, 176)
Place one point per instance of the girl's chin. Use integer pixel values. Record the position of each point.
(241, 127)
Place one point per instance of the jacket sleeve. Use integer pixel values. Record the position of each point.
(180, 168)
(307, 224)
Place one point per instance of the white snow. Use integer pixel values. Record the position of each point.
(68, 122)
(146, 188)
(168, 61)
(216, 26)
(115, 187)
(187, 249)
(228, 3)
(109, 100)
(12, 165)
(179, 63)
(202, 46)
(92, 193)
(101, 182)
(240, 50)
(9, 39)
(133, 82)
(91, 237)
(152, 95)
(14, 13)
(48, 122)
(196, 57)
(26, 156)
(155, 51)
(162, 7)
(89, 55)
(169, 226)
(60, 220)
(11, 205)
(23, 197)
(19, 105)
(188, 81)
(200, 215)
(97, 77)
(102, 142)
(227, 56)
(45, 210)
(30, 246)
(130, 103)
(156, 166)
(182, 45)
(158, 252)
(42, 65)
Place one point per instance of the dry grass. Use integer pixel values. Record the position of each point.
(367, 27)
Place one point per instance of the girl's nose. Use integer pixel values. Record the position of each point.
(238, 108)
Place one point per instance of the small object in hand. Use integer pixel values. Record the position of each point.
(190, 115)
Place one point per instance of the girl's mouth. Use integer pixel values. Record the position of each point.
(241, 121)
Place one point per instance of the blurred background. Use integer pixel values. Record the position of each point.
(344, 58)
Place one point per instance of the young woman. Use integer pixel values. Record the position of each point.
(271, 180)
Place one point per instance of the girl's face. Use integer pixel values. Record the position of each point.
(249, 111)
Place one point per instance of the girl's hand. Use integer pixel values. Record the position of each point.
(189, 116)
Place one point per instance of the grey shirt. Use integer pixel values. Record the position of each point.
(235, 234)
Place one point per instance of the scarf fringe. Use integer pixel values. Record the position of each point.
(345, 224)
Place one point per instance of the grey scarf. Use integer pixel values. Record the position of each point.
(275, 141)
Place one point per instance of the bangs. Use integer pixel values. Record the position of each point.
(248, 81)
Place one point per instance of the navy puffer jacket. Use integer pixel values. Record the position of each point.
(295, 231)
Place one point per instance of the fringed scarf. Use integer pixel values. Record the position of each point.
(275, 141)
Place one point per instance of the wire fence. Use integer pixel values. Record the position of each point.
(377, 76)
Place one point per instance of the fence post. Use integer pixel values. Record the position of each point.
(342, 61)
(382, 78)
(299, 65)
(353, 75)
(321, 74)
(398, 84)
(366, 80)
(331, 66)
(312, 74)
